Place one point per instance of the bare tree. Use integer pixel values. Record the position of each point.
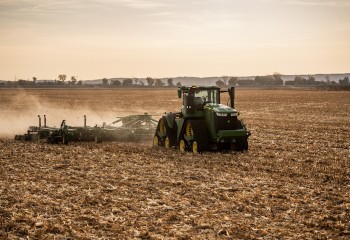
(219, 83)
(136, 80)
(159, 82)
(170, 82)
(62, 77)
(233, 81)
(104, 81)
(73, 80)
(150, 81)
(224, 79)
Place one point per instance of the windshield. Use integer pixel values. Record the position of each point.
(208, 95)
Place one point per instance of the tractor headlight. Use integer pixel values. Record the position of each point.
(234, 114)
(221, 114)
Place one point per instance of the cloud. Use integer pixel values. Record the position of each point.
(142, 4)
(319, 3)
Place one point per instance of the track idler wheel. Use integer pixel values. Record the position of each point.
(194, 147)
(167, 143)
(155, 141)
(182, 146)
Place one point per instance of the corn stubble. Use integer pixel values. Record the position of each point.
(293, 183)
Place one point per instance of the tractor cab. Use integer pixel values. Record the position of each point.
(195, 98)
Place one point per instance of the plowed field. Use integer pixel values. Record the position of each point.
(293, 183)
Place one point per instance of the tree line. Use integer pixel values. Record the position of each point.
(268, 80)
(135, 82)
(276, 80)
(107, 83)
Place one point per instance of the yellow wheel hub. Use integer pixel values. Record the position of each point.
(182, 145)
(194, 147)
(167, 143)
(155, 141)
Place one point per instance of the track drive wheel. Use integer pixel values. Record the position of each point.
(167, 143)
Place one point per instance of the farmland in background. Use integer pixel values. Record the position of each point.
(293, 183)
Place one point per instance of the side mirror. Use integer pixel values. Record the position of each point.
(179, 93)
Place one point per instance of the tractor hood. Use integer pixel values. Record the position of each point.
(219, 108)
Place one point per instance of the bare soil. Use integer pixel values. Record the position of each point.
(293, 183)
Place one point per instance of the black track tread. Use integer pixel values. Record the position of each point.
(242, 144)
(171, 132)
(156, 133)
(201, 134)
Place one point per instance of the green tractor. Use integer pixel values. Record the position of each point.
(204, 124)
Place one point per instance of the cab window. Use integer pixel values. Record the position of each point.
(207, 96)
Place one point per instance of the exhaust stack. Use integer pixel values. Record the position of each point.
(231, 92)
(84, 121)
(39, 121)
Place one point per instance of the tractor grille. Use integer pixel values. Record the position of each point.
(227, 123)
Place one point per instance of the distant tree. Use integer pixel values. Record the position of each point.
(268, 80)
(219, 83)
(246, 82)
(277, 76)
(225, 79)
(104, 81)
(289, 83)
(311, 80)
(22, 82)
(159, 82)
(80, 83)
(170, 82)
(344, 82)
(178, 84)
(150, 81)
(298, 80)
(127, 82)
(328, 81)
(136, 80)
(141, 82)
(233, 81)
(73, 80)
(62, 77)
(116, 83)
(277, 79)
(34, 80)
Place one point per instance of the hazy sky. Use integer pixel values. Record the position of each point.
(161, 38)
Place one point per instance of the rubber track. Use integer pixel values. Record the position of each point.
(201, 134)
(171, 132)
(156, 133)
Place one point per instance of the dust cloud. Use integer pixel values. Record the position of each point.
(19, 111)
